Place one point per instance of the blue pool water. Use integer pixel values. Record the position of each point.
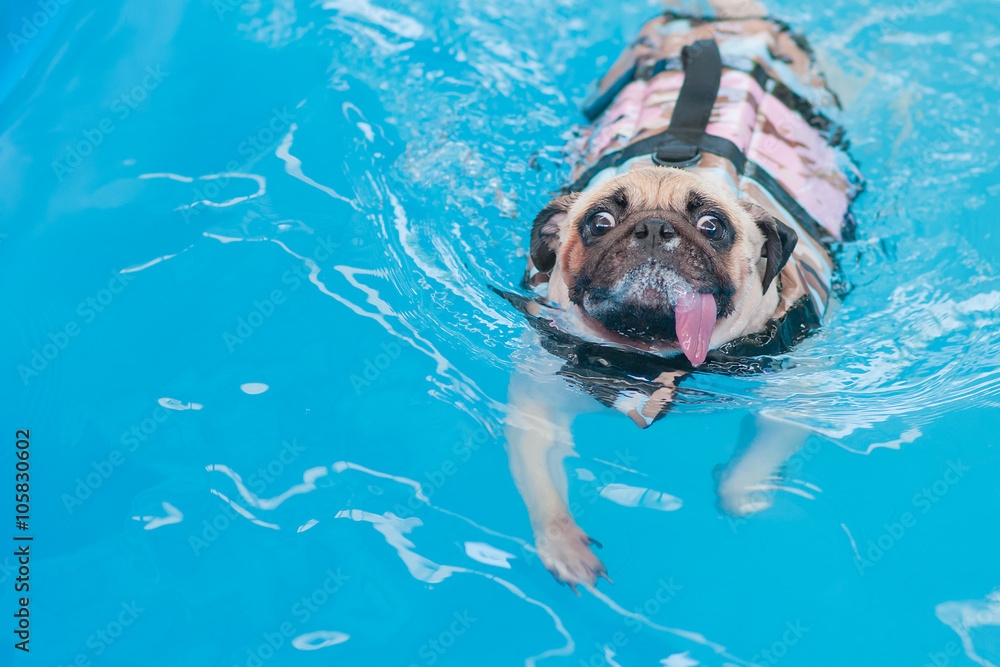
(246, 264)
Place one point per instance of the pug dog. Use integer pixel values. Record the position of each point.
(650, 268)
(659, 260)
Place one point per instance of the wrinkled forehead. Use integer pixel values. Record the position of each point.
(657, 188)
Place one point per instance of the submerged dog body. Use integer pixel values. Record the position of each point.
(696, 231)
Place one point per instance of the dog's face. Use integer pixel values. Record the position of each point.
(663, 255)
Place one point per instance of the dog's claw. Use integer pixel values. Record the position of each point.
(565, 551)
(592, 541)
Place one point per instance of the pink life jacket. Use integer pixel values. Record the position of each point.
(742, 100)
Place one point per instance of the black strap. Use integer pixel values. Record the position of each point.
(680, 145)
(596, 106)
(709, 143)
(685, 138)
(728, 150)
(702, 76)
(788, 202)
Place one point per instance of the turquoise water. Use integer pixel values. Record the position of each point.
(246, 264)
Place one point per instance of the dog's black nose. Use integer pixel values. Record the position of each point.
(655, 230)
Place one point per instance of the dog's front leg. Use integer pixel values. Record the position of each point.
(746, 483)
(538, 440)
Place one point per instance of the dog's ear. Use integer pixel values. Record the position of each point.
(780, 240)
(545, 231)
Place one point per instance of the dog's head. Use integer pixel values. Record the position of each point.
(661, 254)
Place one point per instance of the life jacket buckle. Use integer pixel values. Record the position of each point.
(678, 156)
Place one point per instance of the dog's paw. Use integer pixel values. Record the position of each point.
(741, 496)
(565, 551)
(740, 502)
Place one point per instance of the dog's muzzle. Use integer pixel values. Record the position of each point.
(653, 301)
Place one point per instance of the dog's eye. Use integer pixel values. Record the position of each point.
(710, 226)
(602, 223)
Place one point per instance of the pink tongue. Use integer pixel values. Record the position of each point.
(695, 315)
